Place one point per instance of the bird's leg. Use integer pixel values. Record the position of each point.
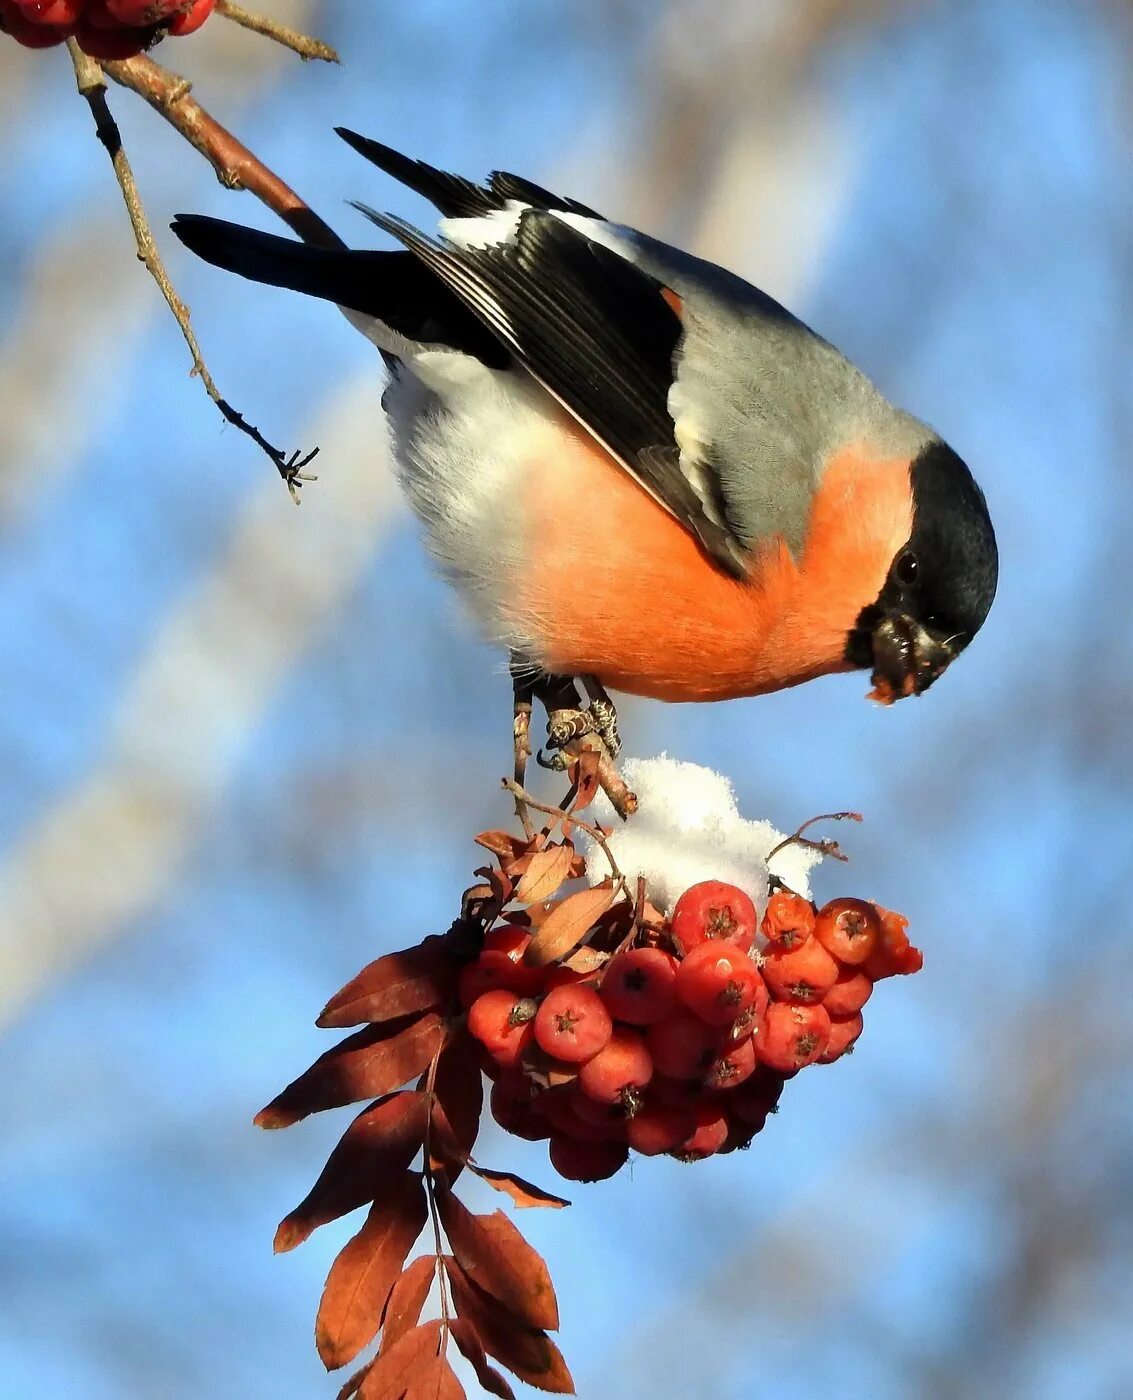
(523, 679)
(604, 713)
(566, 719)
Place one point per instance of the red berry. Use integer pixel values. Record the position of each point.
(622, 1067)
(848, 929)
(730, 1069)
(714, 910)
(659, 1127)
(32, 34)
(718, 982)
(709, 1135)
(803, 974)
(849, 994)
(191, 19)
(101, 42)
(789, 919)
(637, 986)
(501, 1022)
(894, 954)
(843, 1034)
(494, 970)
(792, 1036)
(560, 1108)
(509, 939)
(610, 1118)
(573, 1023)
(587, 1161)
(682, 1046)
(62, 13)
(512, 1102)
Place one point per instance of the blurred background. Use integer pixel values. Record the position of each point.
(244, 746)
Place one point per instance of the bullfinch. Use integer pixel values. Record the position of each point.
(638, 469)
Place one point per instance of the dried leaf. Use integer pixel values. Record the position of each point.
(362, 1277)
(352, 1386)
(373, 1152)
(527, 1352)
(586, 780)
(468, 1340)
(501, 843)
(496, 1257)
(407, 1298)
(586, 959)
(416, 979)
(435, 1381)
(523, 1193)
(546, 872)
(395, 1373)
(365, 1065)
(567, 925)
(459, 1089)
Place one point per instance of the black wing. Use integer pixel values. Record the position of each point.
(599, 334)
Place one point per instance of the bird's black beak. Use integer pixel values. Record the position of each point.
(908, 657)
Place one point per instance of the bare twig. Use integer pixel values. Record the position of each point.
(301, 44)
(235, 165)
(826, 847)
(92, 86)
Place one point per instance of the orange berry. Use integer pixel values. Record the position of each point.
(492, 971)
(849, 929)
(682, 1046)
(572, 1023)
(637, 986)
(757, 1097)
(712, 910)
(512, 1104)
(792, 1036)
(804, 973)
(619, 1070)
(843, 1034)
(789, 919)
(502, 1022)
(731, 1068)
(659, 1127)
(849, 994)
(587, 1161)
(718, 982)
(709, 1135)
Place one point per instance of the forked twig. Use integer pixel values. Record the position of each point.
(826, 847)
(306, 47)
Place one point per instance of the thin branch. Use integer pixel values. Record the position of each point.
(826, 847)
(596, 834)
(301, 44)
(91, 85)
(235, 165)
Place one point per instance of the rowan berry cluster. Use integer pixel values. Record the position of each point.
(108, 29)
(681, 1039)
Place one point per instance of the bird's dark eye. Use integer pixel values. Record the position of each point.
(907, 567)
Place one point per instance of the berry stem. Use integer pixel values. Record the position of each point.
(301, 44)
(826, 847)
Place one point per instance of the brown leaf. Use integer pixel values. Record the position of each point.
(394, 1374)
(501, 843)
(496, 1257)
(586, 959)
(586, 780)
(416, 979)
(365, 1065)
(527, 1352)
(547, 871)
(403, 1307)
(351, 1387)
(459, 1090)
(373, 1152)
(362, 1277)
(468, 1340)
(523, 1193)
(567, 924)
(435, 1381)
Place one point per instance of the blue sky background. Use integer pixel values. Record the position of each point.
(948, 1212)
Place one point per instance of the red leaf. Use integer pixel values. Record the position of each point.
(586, 780)
(468, 1340)
(416, 979)
(546, 872)
(501, 843)
(567, 924)
(395, 1373)
(373, 1152)
(362, 1277)
(523, 1193)
(351, 1387)
(365, 1065)
(527, 1352)
(403, 1310)
(496, 1257)
(459, 1090)
(435, 1381)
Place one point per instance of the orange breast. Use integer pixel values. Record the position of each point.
(614, 587)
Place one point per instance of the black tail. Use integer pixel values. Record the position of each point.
(395, 287)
